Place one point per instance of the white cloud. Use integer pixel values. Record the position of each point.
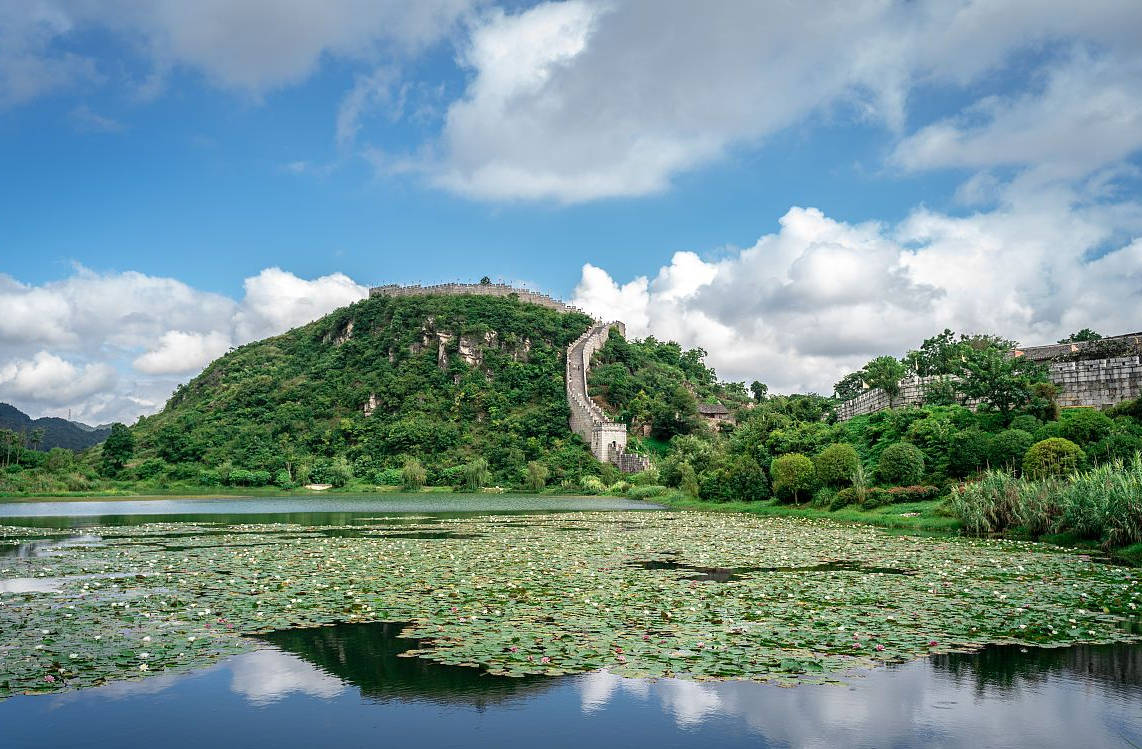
(179, 351)
(368, 92)
(87, 121)
(276, 301)
(265, 676)
(50, 380)
(64, 341)
(252, 46)
(589, 99)
(820, 297)
(1088, 114)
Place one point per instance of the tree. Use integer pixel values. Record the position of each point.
(36, 438)
(836, 463)
(476, 474)
(536, 476)
(1086, 334)
(117, 448)
(759, 389)
(901, 464)
(485, 281)
(1055, 456)
(941, 354)
(995, 378)
(849, 386)
(413, 475)
(794, 477)
(885, 372)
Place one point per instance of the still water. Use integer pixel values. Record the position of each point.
(347, 686)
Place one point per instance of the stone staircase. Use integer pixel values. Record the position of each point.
(606, 437)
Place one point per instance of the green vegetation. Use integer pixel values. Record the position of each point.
(1102, 504)
(1054, 456)
(483, 595)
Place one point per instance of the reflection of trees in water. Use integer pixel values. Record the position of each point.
(368, 656)
(1009, 667)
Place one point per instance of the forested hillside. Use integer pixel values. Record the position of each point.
(445, 380)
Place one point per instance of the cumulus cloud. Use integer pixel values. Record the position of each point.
(112, 346)
(179, 351)
(252, 46)
(589, 99)
(51, 380)
(817, 299)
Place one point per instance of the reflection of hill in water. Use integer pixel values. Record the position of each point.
(367, 656)
(1007, 667)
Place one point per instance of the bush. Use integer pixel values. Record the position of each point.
(647, 491)
(209, 477)
(282, 479)
(412, 474)
(876, 497)
(918, 493)
(1008, 448)
(900, 464)
(1106, 502)
(836, 463)
(1115, 447)
(967, 452)
(794, 477)
(1026, 423)
(844, 498)
(688, 480)
(388, 477)
(739, 479)
(592, 485)
(823, 497)
(1054, 456)
(150, 468)
(1083, 425)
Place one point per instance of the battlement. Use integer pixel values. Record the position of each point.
(475, 289)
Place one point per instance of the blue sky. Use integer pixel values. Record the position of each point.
(793, 189)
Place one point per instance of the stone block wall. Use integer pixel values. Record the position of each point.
(1096, 383)
(475, 289)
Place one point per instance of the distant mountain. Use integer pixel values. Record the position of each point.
(57, 432)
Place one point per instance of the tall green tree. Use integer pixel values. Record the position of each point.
(885, 372)
(117, 448)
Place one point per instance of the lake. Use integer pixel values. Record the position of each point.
(348, 685)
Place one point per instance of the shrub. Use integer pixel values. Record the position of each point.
(282, 479)
(592, 485)
(647, 491)
(1083, 425)
(918, 493)
(1106, 502)
(844, 498)
(388, 477)
(836, 463)
(739, 479)
(209, 477)
(150, 468)
(967, 452)
(1120, 447)
(793, 477)
(900, 464)
(876, 497)
(823, 497)
(412, 474)
(688, 480)
(1008, 448)
(1026, 423)
(1054, 456)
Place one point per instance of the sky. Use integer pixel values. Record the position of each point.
(793, 187)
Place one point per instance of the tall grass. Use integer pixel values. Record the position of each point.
(1103, 503)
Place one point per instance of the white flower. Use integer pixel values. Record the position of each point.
(143, 667)
(147, 638)
(191, 638)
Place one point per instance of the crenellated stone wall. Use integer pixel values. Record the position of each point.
(607, 437)
(475, 289)
(1096, 383)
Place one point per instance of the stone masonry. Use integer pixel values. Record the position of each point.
(607, 438)
(1092, 383)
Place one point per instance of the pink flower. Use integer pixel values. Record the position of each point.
(49, 678)
(932, 644)
(880, 647)
(623, 658)
(646, 637)
(545, 659)
(856, 646)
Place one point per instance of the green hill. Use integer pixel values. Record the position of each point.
(445, 379)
